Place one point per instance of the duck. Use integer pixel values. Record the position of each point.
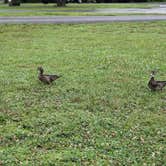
(46, 78)
(155, 85)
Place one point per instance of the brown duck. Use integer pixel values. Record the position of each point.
(45, 78)
(155, 85)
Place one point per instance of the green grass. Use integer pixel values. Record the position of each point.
(75, 6)
(72, 9)
(100, 112)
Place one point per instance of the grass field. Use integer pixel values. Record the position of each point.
(75, 6)
(100, 112)
(69, 10)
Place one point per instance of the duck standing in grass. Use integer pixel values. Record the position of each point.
(155, 85)
(46, 78)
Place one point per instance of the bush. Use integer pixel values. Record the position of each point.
(14, 2)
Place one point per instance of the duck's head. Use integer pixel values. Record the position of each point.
(40, 70)
(153, 73)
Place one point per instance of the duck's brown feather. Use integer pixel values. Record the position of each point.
(45, 78)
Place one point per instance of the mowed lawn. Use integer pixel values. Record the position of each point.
(71, 9)
(100, 112)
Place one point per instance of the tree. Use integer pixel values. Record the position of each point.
(61, 3)
(14, 2)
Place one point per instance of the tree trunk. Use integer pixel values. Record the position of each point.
(5, 1)
(61, 3)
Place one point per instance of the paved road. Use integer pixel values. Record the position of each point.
(78, 19)
(156, 10)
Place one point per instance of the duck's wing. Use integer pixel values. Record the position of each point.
(45, 79)
(153, 85)
(52, 77)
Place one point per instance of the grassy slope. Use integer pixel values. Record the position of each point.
(51, 9)
(100, 111)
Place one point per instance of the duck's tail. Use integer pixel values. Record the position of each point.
(54, 77)
(163, 83)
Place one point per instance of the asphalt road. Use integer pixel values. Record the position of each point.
(78, 19)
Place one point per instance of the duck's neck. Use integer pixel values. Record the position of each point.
(40, 72)
(152, 78)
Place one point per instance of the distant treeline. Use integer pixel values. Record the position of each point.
(134, 1)
(123, 1)
(91, 1)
